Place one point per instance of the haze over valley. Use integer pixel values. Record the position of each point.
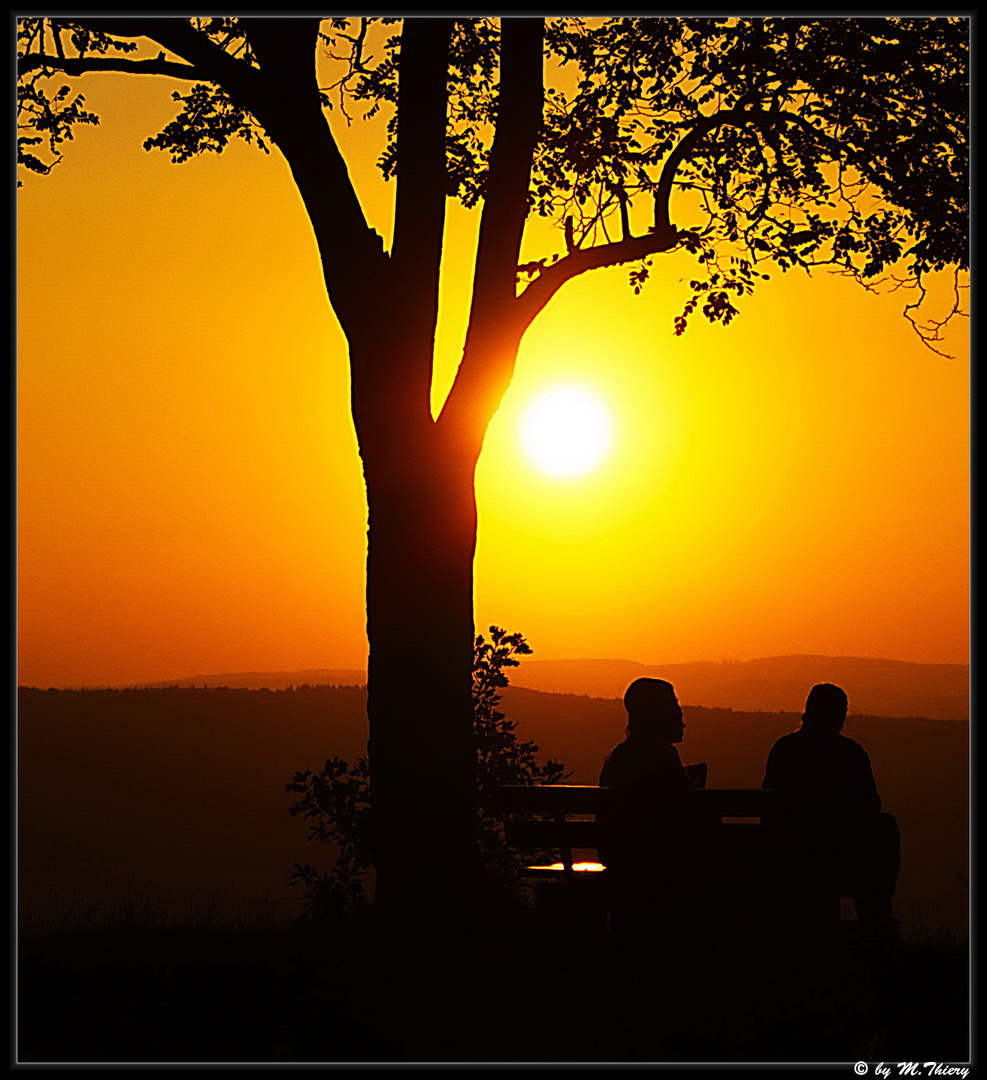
(774, 684)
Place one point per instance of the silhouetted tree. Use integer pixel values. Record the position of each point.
(748, 142)
(337, 799)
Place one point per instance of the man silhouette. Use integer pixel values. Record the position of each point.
(651, 841)
(832, 832)
(647, 758)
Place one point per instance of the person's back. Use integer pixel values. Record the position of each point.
(825, 776)
(829, 820)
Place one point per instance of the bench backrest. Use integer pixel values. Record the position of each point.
(537, 817)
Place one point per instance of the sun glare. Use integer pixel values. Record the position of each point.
(566, 431)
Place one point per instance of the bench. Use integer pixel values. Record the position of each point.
(560, 819)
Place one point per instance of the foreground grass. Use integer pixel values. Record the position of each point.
(137, 908)
(257, 987)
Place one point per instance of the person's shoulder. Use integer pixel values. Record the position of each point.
(793, 738)
(614, 765)
(851, 747)
(658, 751)
(618, 751)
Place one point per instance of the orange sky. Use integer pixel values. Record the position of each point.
(190, 497)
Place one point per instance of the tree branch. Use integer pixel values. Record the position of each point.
(420, 201)
(277, 45)
(663, 193)
(505, 208)
(212, 63)
(283, 96)
(353, 260)
(552, 278)
(662, 237)
(494, 332)
(116, 26)
(421, 156)
(85, 65)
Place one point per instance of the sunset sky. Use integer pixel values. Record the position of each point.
(191, 498)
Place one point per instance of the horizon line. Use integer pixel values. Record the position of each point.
(285, 673)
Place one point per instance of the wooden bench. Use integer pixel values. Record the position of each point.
(560, 819)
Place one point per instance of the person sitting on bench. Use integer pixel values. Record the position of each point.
(829, 821)
(647, 758)
(651, 840)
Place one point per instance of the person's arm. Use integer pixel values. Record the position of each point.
(675, 773)
(605, 773)
(870, 800)
(697, 774)
(771, 769)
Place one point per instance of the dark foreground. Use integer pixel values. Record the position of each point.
(354, 993)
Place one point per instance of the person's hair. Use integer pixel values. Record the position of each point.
(648, 702)
(825, 708)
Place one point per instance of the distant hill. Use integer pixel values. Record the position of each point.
(776, 684)
(779, 683)
(269, 680)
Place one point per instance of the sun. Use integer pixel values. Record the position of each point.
(566, 431)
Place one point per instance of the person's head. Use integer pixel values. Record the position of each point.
(653, 709)
(825, 709)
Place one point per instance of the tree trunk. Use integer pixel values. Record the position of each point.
(419, 472)
(422, 538)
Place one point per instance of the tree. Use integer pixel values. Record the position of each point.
(750, 143)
